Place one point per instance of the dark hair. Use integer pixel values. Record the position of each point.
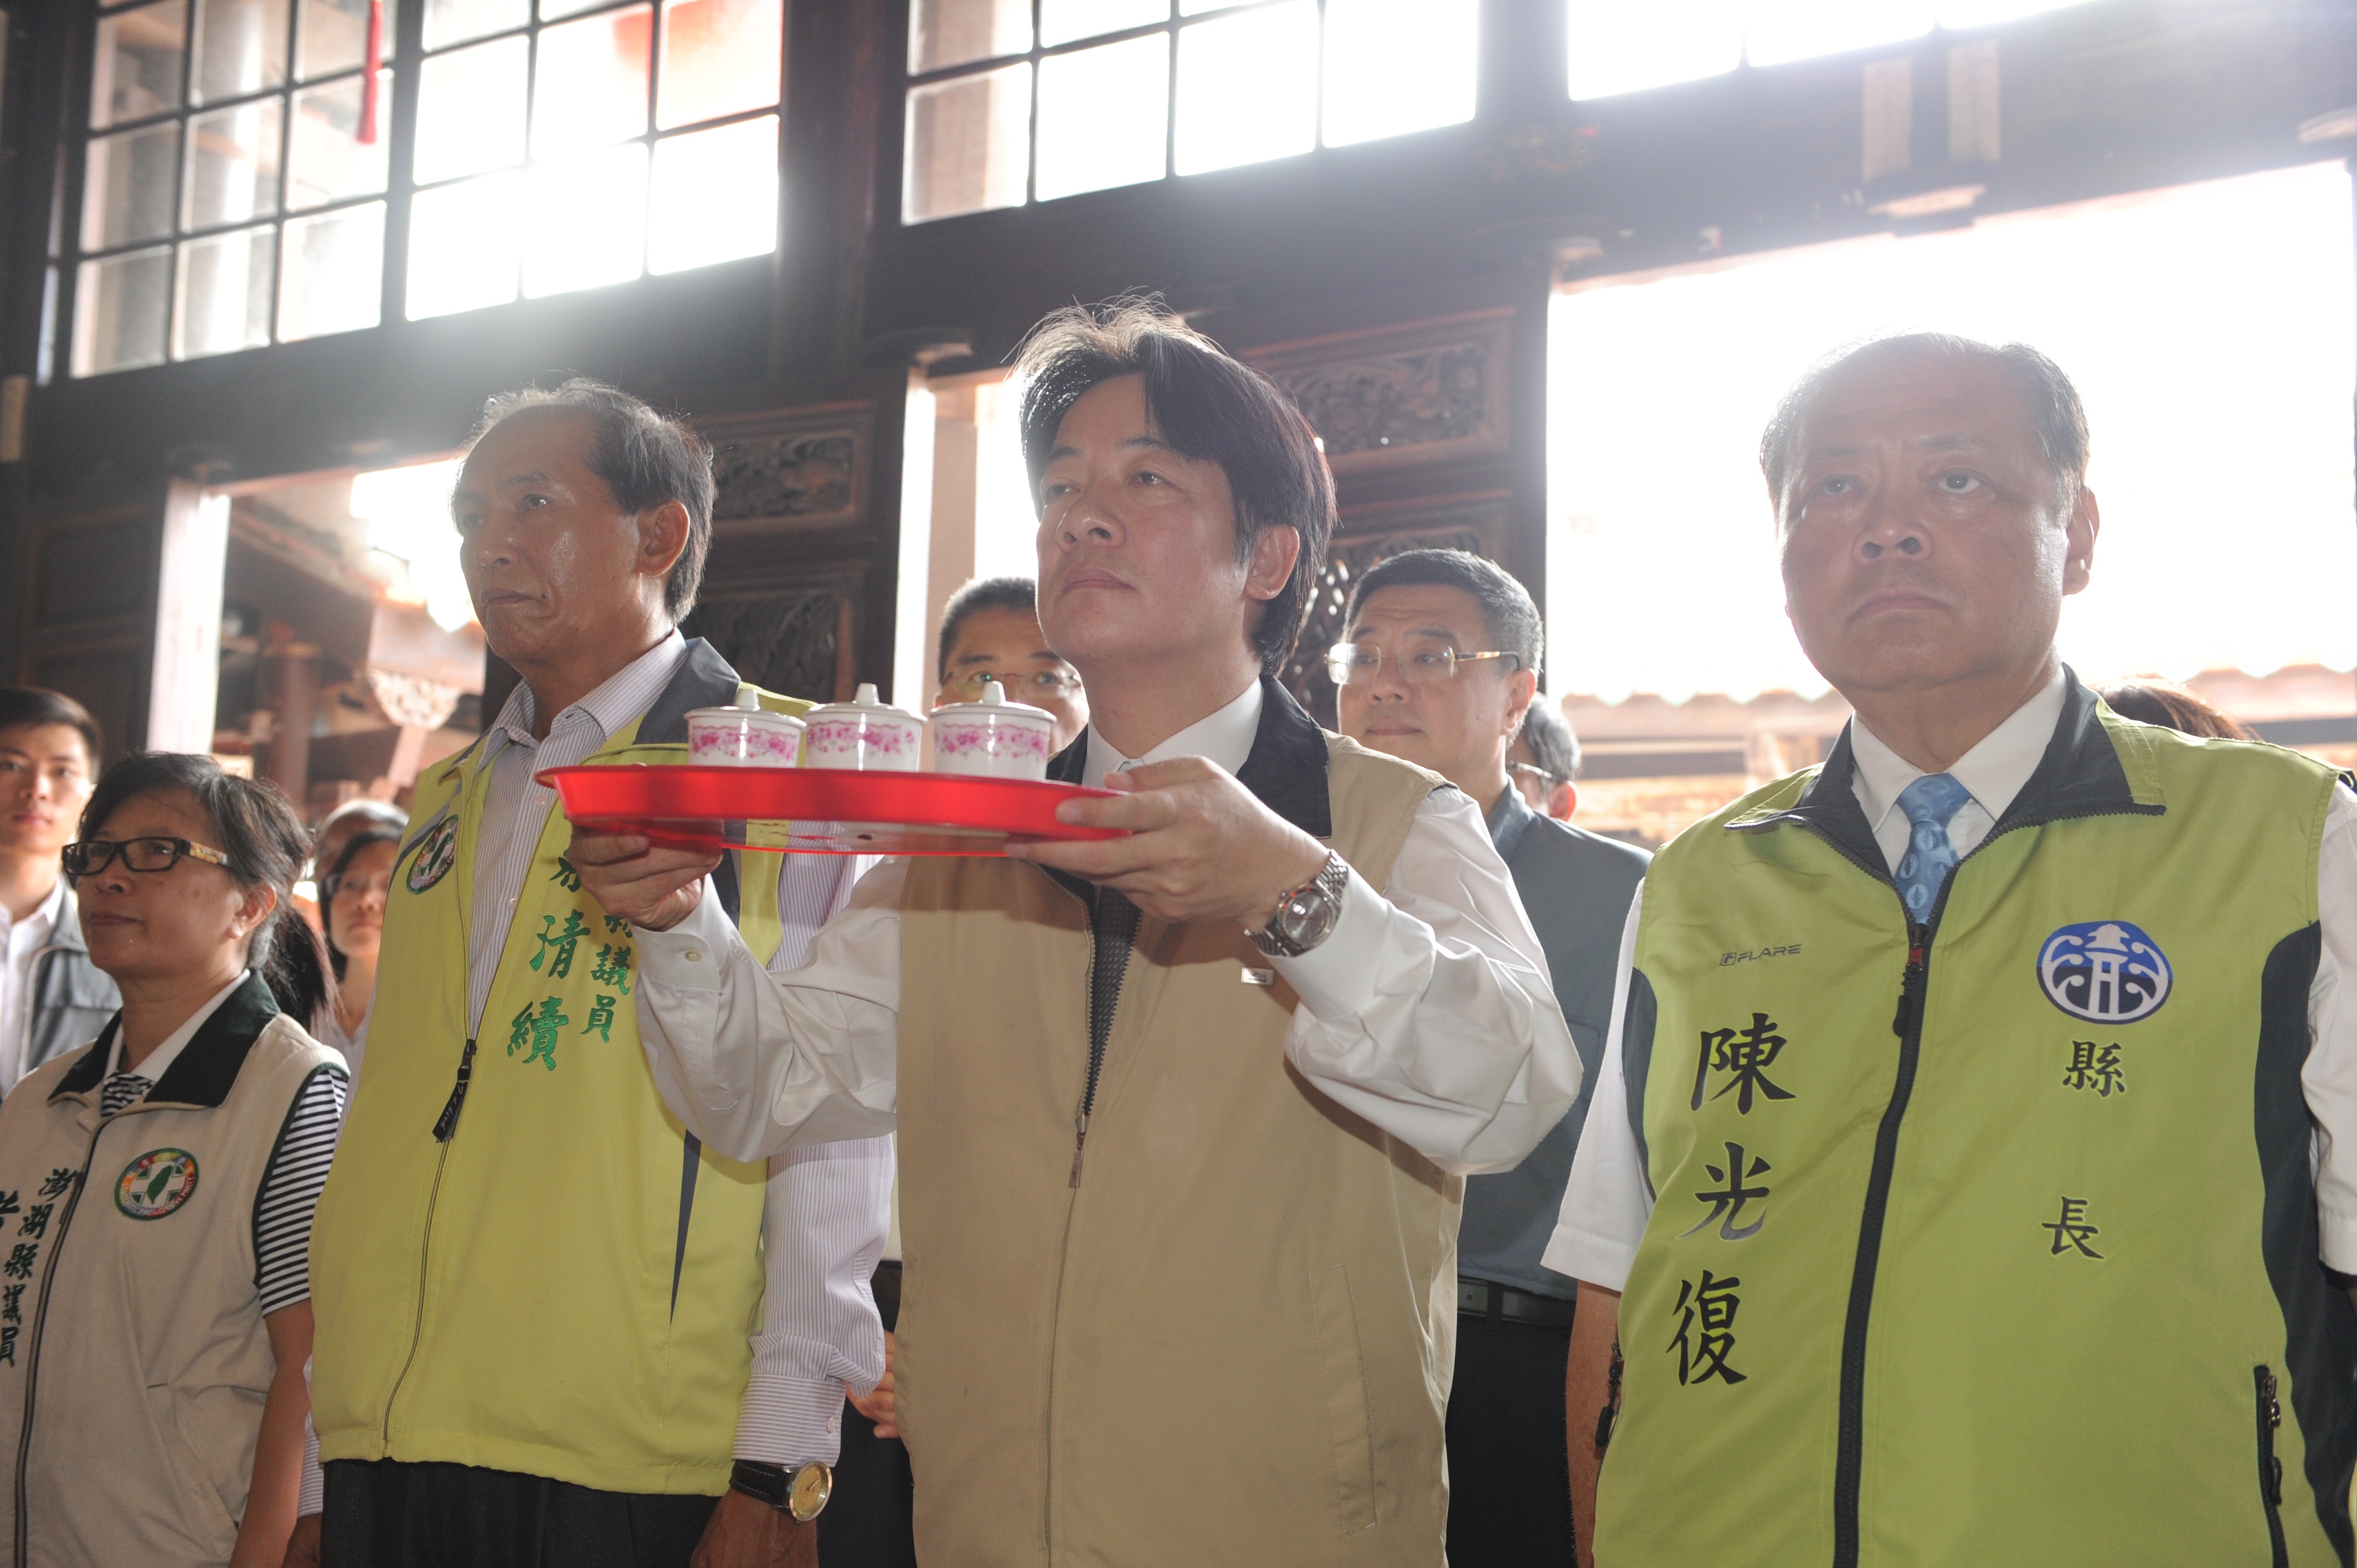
(21, 706)
(1509, 619)
(352, 846)
(982, 593)
(1208, 407)
(266, 846)
(1552, 743)
(2047, 396)
(644, 457)
(2172, 707)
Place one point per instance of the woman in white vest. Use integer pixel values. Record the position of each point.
(155, 1194)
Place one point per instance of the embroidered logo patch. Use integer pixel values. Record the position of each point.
(2106, 972)
(156, 1183)
(435, 856)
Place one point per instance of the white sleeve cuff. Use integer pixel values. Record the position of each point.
(687, 956)
(791, 1421)
(1336, 979)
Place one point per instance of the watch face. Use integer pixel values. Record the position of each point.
(812, 1485)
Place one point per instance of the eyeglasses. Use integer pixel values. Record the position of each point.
(1044, 683)
(92, 856)
(1537, 773)
(334, 888)
(1356, 664)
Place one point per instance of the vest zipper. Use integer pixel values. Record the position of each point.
(447, 1122)
(1098, 1039)
(40, 1320)
(424, 1250)
(2270, 1417)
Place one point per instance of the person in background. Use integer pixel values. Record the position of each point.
(1442, 668)
(990, 631)
(52, 998)
(1972, 1175)
(157, 1187)
(2173, 707)
(353, 894)
(354, 816)
(1543, 762)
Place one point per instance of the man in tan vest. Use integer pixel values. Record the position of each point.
(1185, 1113)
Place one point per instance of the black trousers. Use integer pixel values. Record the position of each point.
(1509, 1472)
(867, 1522)
(388, 1514)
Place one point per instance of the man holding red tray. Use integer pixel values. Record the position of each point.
(1185, 1115)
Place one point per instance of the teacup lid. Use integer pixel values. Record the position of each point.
(994, 697)
(748, 701)
(866, 702)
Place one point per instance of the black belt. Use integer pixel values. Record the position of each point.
(886, 1284)
(1485, 1298)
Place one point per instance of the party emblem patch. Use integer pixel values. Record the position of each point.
(435, 856)
(2106, 972)
(156, 1184)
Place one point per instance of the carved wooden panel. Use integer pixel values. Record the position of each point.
(1396, 396)
(793, 468)
(790, 636)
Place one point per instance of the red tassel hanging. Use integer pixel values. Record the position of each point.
(375, 61)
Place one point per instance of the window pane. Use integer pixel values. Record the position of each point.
(969, 145)
(326, 159)
(1062, 21)
(224, 301)
(334, 36)
(591, 87)
(126, 190)
(1619, 47)
(1248, 87)
(586, 220)
(943, 33)
(120, 307)
(333, 277)
(462, 246)
(719, 57)
(455, 21)
(1104, 113)
(233, 165)
(553, 10)
(241, 48)
(716, 197)
(1396, 66)
(137, 70)
(470, 111)
(1781, 30)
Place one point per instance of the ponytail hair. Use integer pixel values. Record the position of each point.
(267, 845)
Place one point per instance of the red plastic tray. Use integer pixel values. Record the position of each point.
(818, 811)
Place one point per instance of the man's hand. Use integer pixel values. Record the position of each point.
(303, 1546)
(878, 1404)
(1201, 847)
(745, 1532)
(638, 879)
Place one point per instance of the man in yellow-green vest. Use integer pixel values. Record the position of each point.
(553, 1327)
(1972, 1171)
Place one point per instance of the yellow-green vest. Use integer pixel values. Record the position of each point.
(1991, 1239)
(521, 1259)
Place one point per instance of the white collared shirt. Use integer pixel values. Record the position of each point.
(1224, 736)
(1994, 770)
(20, 941)
(153, 1066)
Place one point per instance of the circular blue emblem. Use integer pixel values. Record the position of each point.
(2106, 972)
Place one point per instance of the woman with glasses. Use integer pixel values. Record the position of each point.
(157, 1189)
(352, 898)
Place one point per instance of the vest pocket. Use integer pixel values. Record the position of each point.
(1341, 1374)
(2270, 1417)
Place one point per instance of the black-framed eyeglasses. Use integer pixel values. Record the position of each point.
(91, 857)
(1036, 684)
(1356, 664)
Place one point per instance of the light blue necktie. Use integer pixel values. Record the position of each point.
(1929, 802)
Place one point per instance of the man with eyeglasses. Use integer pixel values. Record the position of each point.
(990, 631)
(1543, 762)
(51, 998)
(1442, 668)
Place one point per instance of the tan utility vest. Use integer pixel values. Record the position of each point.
(1228, 1338)
(134, 1362)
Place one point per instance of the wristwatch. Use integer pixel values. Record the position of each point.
(801, 1492)
(1306, 915)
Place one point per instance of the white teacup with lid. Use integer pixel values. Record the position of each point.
(993, 738)
(863, 732)
(746, 736)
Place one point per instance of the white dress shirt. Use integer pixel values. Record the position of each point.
(1609, 1198)
(20, 943)
(1428, 1011)
(823, 1221)
(153, 1066)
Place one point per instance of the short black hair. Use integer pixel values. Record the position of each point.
(22, 706)
(2047, 396)
(644, 457)
(1207, 406)
(1554, 745)
(1509, 619)
(982, 593)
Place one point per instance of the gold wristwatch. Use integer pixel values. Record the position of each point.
(801, 1492)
